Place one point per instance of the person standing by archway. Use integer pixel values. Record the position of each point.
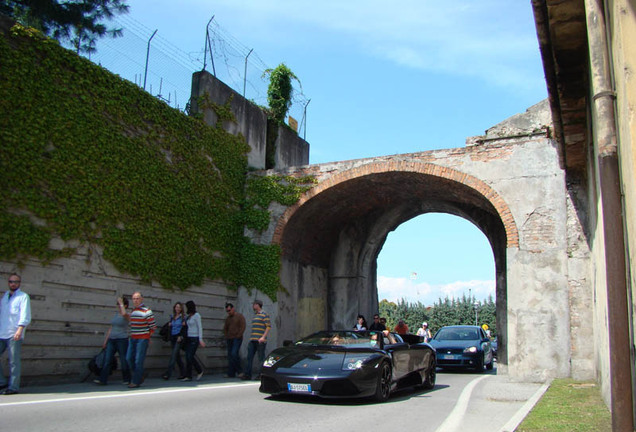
(261, 326)
(233, 330)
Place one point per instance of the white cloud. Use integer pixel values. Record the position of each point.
(394, 289)
(463, 38)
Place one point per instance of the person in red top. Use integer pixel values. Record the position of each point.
(142, 326)
(401, 328)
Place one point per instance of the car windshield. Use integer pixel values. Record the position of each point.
(456, 334)
(349, 339)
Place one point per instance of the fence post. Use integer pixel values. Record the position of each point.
(147, 55)
(208, 44)
(245, 73)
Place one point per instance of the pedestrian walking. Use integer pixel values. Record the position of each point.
(142, 325)
(261, 326)
(233, 330)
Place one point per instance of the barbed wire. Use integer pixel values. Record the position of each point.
(168, 75)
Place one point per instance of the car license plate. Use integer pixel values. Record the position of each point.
(299, 388)
(448, 356)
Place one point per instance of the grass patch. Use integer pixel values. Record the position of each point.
(569, 405)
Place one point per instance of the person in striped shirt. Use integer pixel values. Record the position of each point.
(142, 325)
(261, 326)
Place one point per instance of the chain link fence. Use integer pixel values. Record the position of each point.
(164, 70)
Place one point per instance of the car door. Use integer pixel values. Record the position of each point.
(400, 356)
(485, 346)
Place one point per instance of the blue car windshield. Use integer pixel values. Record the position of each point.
(456, 334)
(348, 339)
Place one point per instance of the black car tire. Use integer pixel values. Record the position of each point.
(383, 388)
(490, 365)
(479, 366)
(431, 376)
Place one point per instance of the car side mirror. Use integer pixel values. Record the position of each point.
(288, 342)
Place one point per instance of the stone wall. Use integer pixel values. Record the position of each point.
(249, 120)
(72, 303)
(510, 183)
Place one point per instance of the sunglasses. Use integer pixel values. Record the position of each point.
(14, 281)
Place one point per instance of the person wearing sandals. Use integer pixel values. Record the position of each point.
(194, 340)
(116, 340)
(177, 331)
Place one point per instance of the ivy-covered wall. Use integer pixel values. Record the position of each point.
(91, 159)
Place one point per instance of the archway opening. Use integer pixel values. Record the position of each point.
(434, 257)
(331, 240)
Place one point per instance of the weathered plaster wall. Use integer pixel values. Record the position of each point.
(249, 120)
(579, 277)
(291, 150)
(524, 172)
(623, 26)
(600, 323)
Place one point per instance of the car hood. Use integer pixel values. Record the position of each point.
(454, 344)
(302, 358)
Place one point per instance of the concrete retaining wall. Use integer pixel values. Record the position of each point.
(72, 303)
(249, 120)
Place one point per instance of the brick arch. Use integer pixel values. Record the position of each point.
(489, 194)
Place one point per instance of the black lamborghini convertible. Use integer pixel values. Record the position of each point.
(344, 364)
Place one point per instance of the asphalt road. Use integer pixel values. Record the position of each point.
(232, 405)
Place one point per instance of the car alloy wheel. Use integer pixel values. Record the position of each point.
(384, 383)
(431, 376)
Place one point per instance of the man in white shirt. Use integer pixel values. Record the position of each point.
(15, 315)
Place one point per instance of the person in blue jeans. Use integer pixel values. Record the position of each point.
(116, 341)
(142, 326)
(261, 326)
(15, 316)
(177, 331)
(233, 330)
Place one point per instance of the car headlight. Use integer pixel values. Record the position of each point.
(353, 362)
(271, 360)
(471, 350)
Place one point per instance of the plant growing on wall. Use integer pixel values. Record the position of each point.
(90, 160)
(106, 166)
(279, 91)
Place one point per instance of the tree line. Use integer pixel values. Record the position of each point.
(463, 311)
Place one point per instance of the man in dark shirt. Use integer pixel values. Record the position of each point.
(377, 325)
(233, 330)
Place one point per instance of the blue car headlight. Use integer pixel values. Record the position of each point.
(271, 360)
(470, 350)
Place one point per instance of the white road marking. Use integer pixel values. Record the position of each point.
(131, 393)
(454, 419)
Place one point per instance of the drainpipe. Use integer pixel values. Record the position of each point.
(611, 203)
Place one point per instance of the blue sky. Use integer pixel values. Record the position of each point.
(381, 78)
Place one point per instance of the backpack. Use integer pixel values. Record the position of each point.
(97, 362)
(164, 332)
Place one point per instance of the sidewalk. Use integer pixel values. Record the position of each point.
(493, 403)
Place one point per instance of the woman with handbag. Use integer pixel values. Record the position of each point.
(194, 340)
(177, 325)
(116, 341)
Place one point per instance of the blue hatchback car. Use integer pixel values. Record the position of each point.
(463, 346)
